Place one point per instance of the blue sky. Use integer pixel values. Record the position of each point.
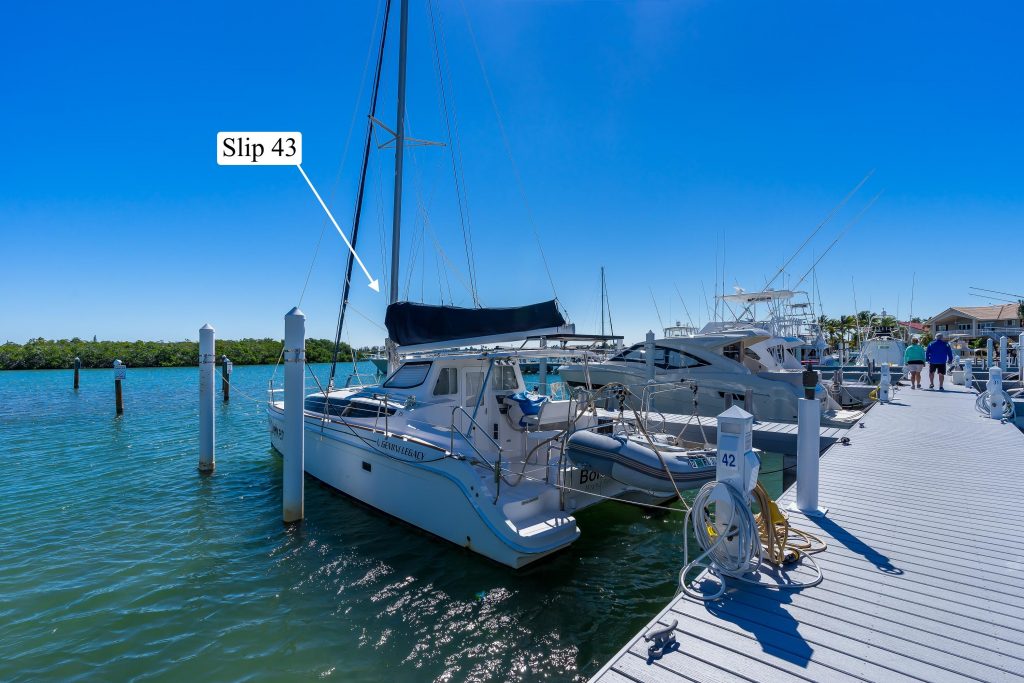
(651, 138)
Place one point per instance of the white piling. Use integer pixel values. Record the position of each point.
(207, 428)
(996, 400)
(968, 372)
(649, 355)
(1020, 357)
(1002, 352)
(885, 384)
(292, 492)
(808, 450)
(543, 370)
(990, 352)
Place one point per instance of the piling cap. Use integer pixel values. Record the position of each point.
(295, 312)
(207, 326)
(736, 412)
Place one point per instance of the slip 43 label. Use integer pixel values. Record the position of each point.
(259, 149)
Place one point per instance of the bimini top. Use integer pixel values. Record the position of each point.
(420, 325)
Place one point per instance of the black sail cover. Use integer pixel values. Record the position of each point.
(409, 323)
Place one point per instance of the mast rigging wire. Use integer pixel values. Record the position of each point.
(453, 142)
(347, 283)
(508, 149)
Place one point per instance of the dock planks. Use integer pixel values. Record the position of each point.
(924, 576)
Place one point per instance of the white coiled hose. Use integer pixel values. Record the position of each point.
(982, 405)
(742, 529)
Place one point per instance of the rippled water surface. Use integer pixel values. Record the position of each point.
(119, 561)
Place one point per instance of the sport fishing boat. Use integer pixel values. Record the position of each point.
(451, 441)
(706, 373)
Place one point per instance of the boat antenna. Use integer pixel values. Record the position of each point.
(655, 302)
(822, 224)
(602, 301)
(367, 145)
(687, 310)
(846, 228)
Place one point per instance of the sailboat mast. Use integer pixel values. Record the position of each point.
(396, 220)
(602, 301)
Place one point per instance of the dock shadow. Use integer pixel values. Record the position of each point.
(769, 623)
(847, 539)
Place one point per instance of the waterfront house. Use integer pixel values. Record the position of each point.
(974, 322)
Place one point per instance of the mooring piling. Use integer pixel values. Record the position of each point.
(225, 375)
(120, 372)
(78, 367)
(808, 446)
(1003, 348)
(748, 402)
(649, 355)
(292, 490)
(207, 428)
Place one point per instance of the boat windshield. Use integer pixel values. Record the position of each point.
(664, 357)
(409, 375)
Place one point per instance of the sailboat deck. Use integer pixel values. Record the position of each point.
(922, 577)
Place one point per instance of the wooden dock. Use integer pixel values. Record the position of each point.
(774, 437)
(923, 576)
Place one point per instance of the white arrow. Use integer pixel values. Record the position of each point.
(374, 284)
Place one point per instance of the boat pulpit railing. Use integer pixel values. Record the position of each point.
(651, 390)
(271, 391)
(473, 424)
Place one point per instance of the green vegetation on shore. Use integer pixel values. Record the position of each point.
(45, 354)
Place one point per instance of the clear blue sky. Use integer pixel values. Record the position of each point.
(644, 134)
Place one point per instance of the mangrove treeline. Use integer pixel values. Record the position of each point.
(47, 354)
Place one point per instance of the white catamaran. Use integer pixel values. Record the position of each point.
(451, 441)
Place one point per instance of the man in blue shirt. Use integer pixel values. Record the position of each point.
(939, 353)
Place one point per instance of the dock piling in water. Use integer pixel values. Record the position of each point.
(119, 374)
(207, 429)
(292, 490)
(78, 367)
(225, 374)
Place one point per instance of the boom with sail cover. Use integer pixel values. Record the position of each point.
(413, 324)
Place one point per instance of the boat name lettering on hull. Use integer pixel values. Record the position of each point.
(400, 449)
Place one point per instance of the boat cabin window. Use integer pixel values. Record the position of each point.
(409, 375)
(447, 382)
(344, 407)
(664, 358)
(732, 351)
(503, 378)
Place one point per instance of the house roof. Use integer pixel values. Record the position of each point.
(1000, 312)
(917, 327)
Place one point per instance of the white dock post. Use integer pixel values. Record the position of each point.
(996, 400)
(968, 372)
(808, 450)
(649, 355)
(990, 352)
(885, 384)
(543, 370)
(207, 428)
(1020, 358)
(737, 465)
(292, 491)
(1002, 353)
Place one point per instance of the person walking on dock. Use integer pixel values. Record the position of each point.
(939, 353)
(913, 361)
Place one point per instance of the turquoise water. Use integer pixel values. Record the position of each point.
(119, 561)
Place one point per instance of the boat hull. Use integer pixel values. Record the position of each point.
(416, 484)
